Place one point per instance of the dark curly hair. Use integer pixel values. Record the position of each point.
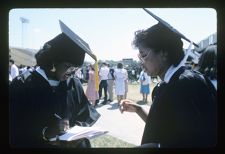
(44, 58)
(159, 37)
(208, 62)
(119, 65)
(60, 49)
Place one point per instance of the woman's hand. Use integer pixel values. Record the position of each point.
(64, 125)
(129, 106)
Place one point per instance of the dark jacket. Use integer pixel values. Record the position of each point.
(33, 102)
(183, 112)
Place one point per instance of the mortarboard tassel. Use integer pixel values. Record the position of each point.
(187, 54)
(96, 75)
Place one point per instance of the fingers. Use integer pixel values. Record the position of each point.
(64, 125)
(124, 101)
(123, 106)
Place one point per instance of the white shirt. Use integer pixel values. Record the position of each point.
(146, 76)
(103, 73)
(14, 71)
(79, 74)
(23, 70)
(171, 71)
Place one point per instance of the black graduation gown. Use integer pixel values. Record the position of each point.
(183, 112)
(33, 102)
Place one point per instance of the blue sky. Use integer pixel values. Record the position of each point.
(109, 32)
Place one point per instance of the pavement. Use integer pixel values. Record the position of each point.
(127, 126)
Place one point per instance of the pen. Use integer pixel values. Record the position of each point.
(57, 116)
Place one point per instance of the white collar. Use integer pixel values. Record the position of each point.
(170, 72)
(172, 69)
(42, 73)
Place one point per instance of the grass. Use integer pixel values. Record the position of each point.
(135, 95)
(107, 141)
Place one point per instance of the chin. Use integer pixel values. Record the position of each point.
(64, 78)
(148, 73)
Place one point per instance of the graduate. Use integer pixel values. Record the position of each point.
(184, 104)
(47, 101)
(208, 63)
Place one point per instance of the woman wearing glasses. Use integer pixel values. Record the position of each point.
(183, 112)
(44, 99)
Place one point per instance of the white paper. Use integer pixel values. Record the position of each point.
(78, 132)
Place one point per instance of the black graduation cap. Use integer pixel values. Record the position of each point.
(68, 47)
(76, 39)
(169, 26)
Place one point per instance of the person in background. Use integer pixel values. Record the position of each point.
(184, 104)
(110, 82)
(120, 75)
(87, 73)
(10, 78)
(43, 99)
(103, 76)
(208, 64)
(91, 92)
(79, 74)
(154, 79)
(24, 68)
(14, 71)
(144, 79)
(9, 70)
(126, 87)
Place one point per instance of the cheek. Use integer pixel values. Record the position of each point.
(60, 75)
(64, 76)
(152, 66)
(149, 66)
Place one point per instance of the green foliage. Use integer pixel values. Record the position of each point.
(107, 141)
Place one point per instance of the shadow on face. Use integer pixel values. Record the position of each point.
(64, 70)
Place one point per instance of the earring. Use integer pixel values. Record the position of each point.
(53, 68)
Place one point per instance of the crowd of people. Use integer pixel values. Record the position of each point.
(184, 103)
(114, 81)
(15, 70)
(108, 79)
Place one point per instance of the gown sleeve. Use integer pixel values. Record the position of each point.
(83, 114)
(16, 95)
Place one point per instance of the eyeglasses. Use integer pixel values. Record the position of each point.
(70, 71)
(67, 65)
(143, 57)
